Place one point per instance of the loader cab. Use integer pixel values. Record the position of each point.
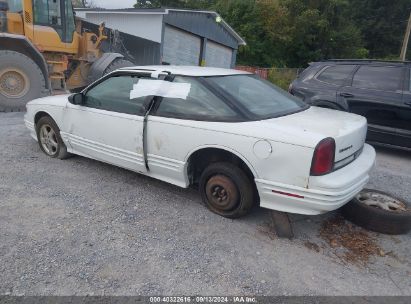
(15, 6)
(57, 14)
(49, 24)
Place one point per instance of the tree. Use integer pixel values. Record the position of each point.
(244, 17)
(382, 24)
(291, 33)
(321, 29)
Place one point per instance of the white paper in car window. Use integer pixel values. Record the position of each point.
(151, 87)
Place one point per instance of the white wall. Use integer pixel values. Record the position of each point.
(147, 26)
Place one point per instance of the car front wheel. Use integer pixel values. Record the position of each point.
(226, 190)
(48, 135)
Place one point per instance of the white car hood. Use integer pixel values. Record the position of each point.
(57, 100)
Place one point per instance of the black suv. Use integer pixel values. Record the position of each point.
(378, 90)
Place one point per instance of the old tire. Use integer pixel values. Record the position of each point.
(366, 211)
(49, 138)
(21, 80)
(117, 64)
(226, 190)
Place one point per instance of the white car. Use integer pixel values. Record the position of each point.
(240, 139)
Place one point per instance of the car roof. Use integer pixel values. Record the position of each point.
(186, 70)
(365, 62)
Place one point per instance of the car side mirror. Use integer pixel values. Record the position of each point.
(76, 99)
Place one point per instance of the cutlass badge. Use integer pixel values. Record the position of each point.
(345, 149)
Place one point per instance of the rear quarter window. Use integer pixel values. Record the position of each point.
(378, 78)
(336, 74)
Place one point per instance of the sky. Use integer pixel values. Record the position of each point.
(114, 4)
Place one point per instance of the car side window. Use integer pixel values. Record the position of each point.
(113, 94)
(201, 104)
(409, 80)
(378, 78)
(336, 74)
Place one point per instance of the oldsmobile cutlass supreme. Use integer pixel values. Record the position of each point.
(239, 139)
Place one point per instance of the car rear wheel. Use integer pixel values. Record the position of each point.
(226, 190)
(377, 211)
(49, 139)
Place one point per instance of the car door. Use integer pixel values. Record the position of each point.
(376, 93)
(108, 126)
(324, 85)
(406, 113)
(180, 125)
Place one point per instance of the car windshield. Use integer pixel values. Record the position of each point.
(258, 97)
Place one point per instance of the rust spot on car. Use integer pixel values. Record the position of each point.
(158, 143)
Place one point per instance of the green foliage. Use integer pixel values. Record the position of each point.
(282, 77)
(245, 17)
(319, 30)
(292, 33)
(382, 24)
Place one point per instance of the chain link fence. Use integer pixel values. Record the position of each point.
(281, 77)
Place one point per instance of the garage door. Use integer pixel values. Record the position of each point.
(218, 55)
(181, 48)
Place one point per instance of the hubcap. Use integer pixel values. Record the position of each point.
(222, 193)
(14, 83)
(382, 201)
(48, 139)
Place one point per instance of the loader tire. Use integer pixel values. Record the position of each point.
(21, 80)
(117, 64)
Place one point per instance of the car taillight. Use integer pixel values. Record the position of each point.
(323, 159)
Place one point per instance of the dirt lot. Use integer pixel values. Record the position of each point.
(83, 227)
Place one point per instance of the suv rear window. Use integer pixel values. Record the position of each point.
(336, 74)
(378, 78)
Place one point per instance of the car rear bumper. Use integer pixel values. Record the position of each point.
(323, 193)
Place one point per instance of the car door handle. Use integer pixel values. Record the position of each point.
(408, 103)
(346, 95)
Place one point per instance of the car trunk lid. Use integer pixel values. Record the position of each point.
(314, 124)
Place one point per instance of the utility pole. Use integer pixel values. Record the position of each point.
(405, 42)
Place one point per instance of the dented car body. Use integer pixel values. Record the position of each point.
(297, 158)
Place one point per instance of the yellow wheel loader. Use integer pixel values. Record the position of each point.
(43, 47)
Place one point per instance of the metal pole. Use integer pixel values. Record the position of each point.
(405, 42)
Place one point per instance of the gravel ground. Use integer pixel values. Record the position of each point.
(78, 227)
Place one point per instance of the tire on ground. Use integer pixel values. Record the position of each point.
(61, 152)
(377, 219)
(19, 71)
(117, 64)
(237, 178)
